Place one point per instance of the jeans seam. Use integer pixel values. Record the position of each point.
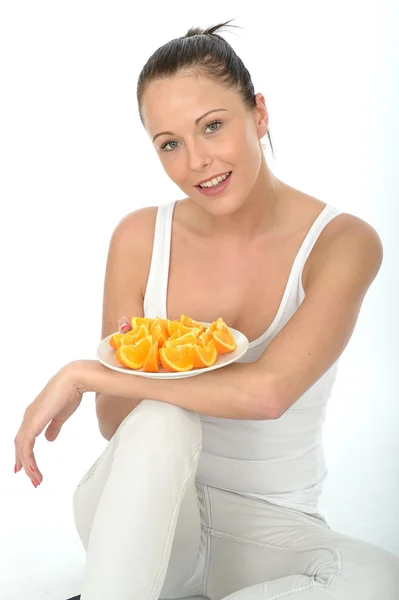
(208, 509)
(93, 468)
(198, 450)
(244, 540)
(302, 588)
(336, 562)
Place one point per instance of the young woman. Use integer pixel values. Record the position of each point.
(209, 485)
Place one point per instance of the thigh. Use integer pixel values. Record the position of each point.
(186, 568)
(269, 549)
(88, 492)
(171, 435)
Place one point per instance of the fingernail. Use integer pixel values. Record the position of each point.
(15, 469)
(37, 482)
(35, 486)
(124, 328)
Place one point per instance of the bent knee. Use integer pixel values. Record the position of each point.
(159, 421)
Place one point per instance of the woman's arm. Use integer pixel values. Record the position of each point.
(347, 262)
(128, 262)
(232, 392)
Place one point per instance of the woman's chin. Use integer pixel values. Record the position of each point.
(222, 207)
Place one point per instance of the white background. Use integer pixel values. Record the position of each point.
(75, 159)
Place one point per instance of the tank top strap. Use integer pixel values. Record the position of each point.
(328, 213)
(295, 277)
(155, 297)
(293, 293)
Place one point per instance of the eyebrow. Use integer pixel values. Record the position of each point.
(196, 122)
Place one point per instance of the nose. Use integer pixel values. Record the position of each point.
(197, 156)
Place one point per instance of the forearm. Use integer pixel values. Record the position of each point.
(238, 391)
(111, 410)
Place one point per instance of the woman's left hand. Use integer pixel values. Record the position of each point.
(53, 406)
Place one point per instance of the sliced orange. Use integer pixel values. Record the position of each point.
(132, 337)
(181, 331)
(129, 339)
(218, 324)
(134, 356)
(199, 330)
(115, 340)
(177, 359)
(187, 338)
(205, 338)
(158, 332)
(204, 356)
(224, 341)
(157, 321)
(188, 322)
(174, 326)
(151, 363)
(177, 334)
(179, 345)
(137, 321)
(165, 324)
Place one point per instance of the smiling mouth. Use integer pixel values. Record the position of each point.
(214, 182)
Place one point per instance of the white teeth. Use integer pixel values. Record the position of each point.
(214, 181)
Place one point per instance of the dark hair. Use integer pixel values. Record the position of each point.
(205, 53)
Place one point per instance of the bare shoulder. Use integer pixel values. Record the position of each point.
(130, 249)
(348, 243)
(136, 228)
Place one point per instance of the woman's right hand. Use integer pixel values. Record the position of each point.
(124, 324)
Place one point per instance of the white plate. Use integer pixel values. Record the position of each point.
(107, 356)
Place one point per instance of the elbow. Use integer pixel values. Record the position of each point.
(266, 400)
(269, 409)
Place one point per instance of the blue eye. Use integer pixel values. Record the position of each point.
(214, 123)
(163, 147)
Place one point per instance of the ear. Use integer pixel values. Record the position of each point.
(261, 116)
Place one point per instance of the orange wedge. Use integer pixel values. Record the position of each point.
(187, 338)
(158, 332)
(175, 326)
(129, 339)
(188, 322)
(137, 321)
(151, 363)
(177, 334)
(164, 323)
(217, 325)
(177, 359)
(224, 341)
(205, 338)
(132, 337)
(133, 357)
(115, 340)
(204, 356)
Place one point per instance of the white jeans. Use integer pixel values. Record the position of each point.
(151, 531)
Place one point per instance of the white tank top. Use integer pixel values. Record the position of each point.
(281, 460)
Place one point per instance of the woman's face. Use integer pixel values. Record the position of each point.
(201, 130)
